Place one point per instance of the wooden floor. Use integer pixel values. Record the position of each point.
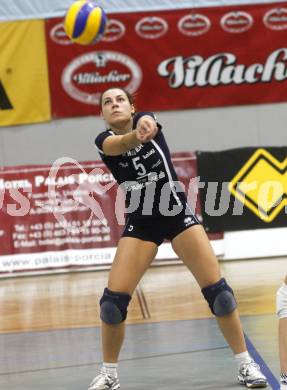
(70, 300)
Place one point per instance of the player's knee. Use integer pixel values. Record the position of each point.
(220, 298)
(281, 301)
(114, 306)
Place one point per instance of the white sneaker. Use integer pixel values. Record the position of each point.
(105, 382)
(251, 376)
(283, 382)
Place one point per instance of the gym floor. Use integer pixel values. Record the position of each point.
(50, 334)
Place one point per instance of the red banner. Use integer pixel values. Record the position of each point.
(68, 215)
(206, 57)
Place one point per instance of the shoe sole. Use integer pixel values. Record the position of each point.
(117, 386)
(252, 385)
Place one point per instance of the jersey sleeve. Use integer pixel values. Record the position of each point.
(100, 140)
(138, 115)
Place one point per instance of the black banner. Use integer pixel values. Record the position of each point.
(243, 188)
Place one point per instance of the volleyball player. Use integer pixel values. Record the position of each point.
(135, 151)
(281, 303)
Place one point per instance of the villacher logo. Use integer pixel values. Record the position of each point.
(194, 24)
(58, 35)
(114, 31)
(151, 27)
(222, 69)
(276, 19)
(86, 76)
(236, 22)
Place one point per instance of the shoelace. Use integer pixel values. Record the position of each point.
(252, 368)
(102, 379)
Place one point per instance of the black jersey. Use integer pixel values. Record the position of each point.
(146, 174)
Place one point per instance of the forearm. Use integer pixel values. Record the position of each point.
(146, 129)
(130, 141)
(119, 144)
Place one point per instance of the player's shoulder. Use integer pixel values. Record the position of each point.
(100, 139)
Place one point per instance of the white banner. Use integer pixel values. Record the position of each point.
(98, 258)
(33, 9)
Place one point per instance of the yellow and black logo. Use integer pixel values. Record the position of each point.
(261, 185)
(5, 103)
(24, 83)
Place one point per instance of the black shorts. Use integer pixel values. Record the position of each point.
(159, 228)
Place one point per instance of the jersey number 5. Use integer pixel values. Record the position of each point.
(139, 166)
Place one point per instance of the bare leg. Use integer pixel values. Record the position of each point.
(132, 259)
(283, 342)
(231, 328)
(194, 248)
(112, 340)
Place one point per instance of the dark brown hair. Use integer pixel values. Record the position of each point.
(127, 93)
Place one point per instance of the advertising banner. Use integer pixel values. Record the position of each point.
(171, 60)
(68, 215)
(243, 188)
(24, 88)
(32, 9)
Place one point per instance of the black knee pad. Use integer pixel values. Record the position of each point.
(220, 298)
(114, 306)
